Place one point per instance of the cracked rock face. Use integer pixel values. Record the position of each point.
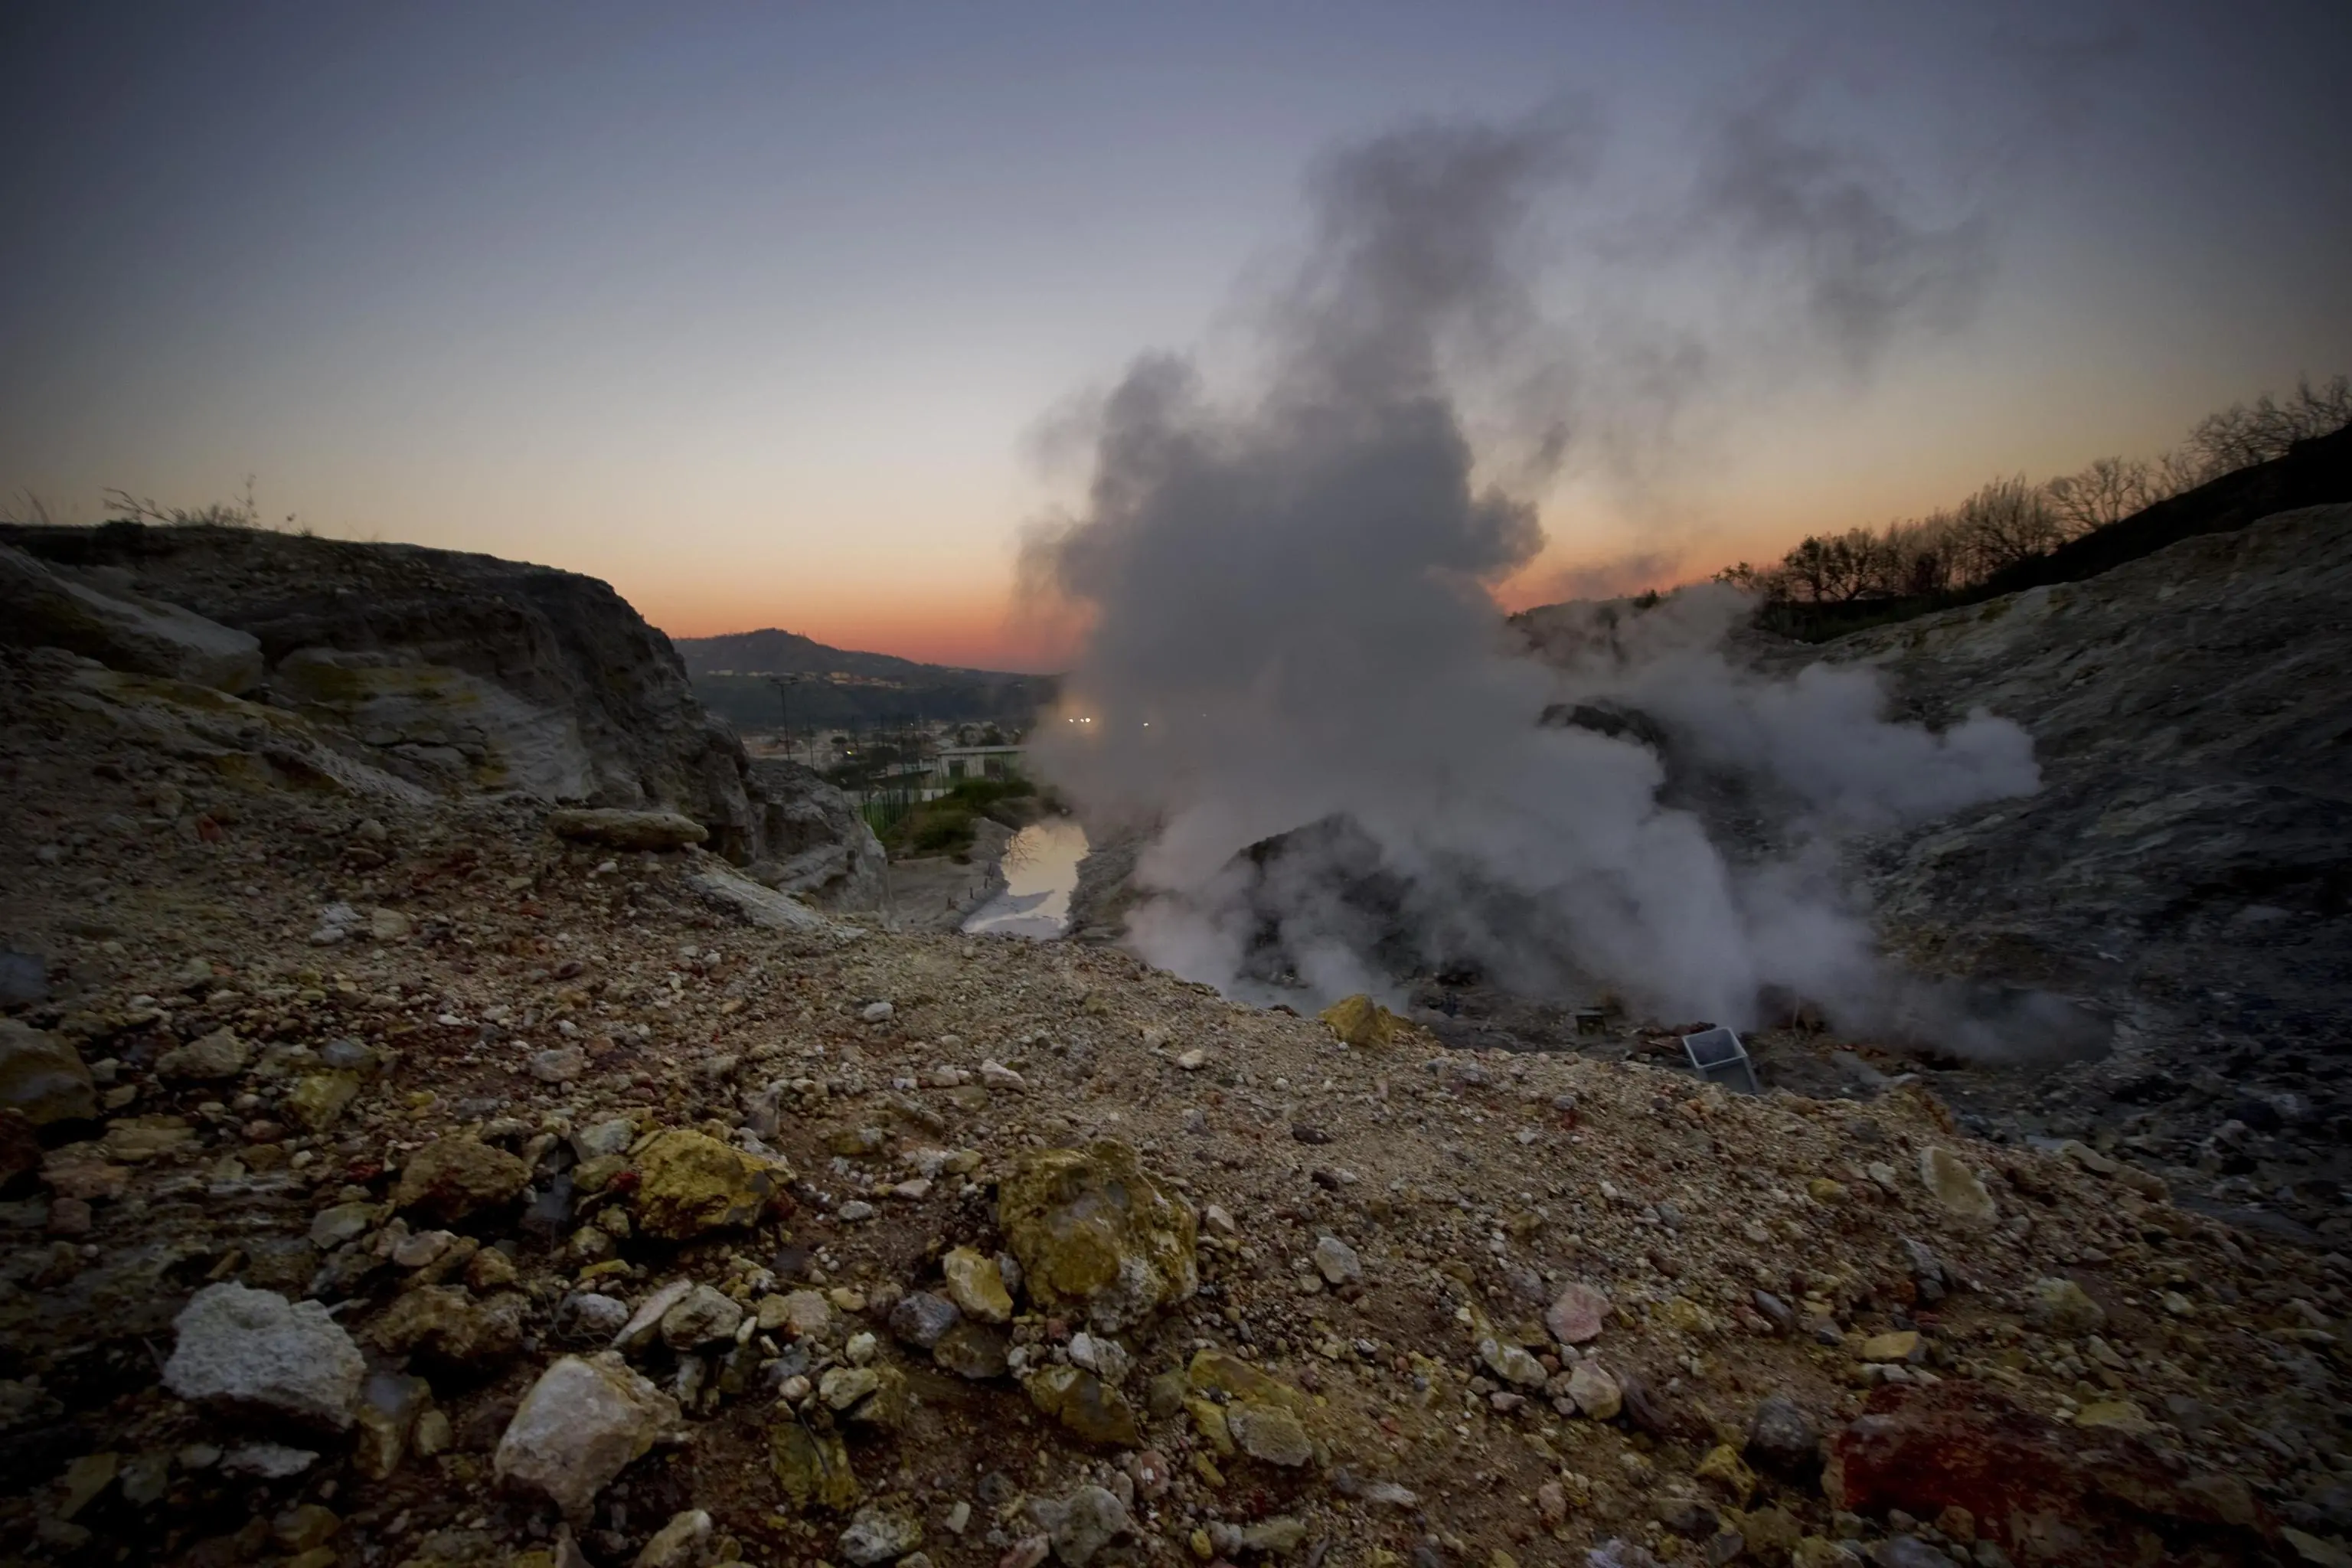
(254, 1350)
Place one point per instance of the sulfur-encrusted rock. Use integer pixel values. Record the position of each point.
(976, 1285)
(252, 1351)
(1359, 1021)
(43, 1076)
(627, 829)
(688, 1185)
(1091, 1230)
(580, 1426)
(318, 1100)
(811, 1464)
(451, 1180)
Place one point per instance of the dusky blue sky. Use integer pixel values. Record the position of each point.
(759, 311)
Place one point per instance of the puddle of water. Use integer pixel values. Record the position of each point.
(1041, 868)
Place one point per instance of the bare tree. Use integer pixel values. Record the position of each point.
(2246, 434)
(2007, 521)
(2109, 491)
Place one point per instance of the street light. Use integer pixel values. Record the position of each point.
(784, 685)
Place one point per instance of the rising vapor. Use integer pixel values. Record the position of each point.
(1290, 617)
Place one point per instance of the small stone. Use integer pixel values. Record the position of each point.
(877, 1012)
(245, 1349)
(678, 1544)
(1512, 1363)
(1086, 1405)
(560, 1064)
(1551, 1504)
(2063, 1307)
(593, 1316)
(1724, 1468)
(581, 1422)
(443, 1323)
(921, 1318)
(219, 1055)
(604, 1138)
(267, 1461)
(996, 1075)
(802, 1314)
(1783, 1438)
(879, 1535)
(304, 1526)
(843, 1387)
(973, 1350)
(1893, 1346)
(1080, 1525)
(388, 925)
(317, 1100)
(1338, 1262)
(1578, 1315)
(861, 1349)
(1215, 1218)
(1270, 1433)
(1193, 1060)
(1954, 1185)
(701, 1317)
(856, 1211)
(1596, 1393)
(976, 1285)
(811, 1464)
(1105, 1358)
(451, 1180)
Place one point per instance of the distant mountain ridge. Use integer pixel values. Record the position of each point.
(734, 675)
(773, 651)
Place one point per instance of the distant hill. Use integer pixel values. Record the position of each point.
(734, 677)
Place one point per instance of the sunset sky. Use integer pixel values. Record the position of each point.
(768, 315)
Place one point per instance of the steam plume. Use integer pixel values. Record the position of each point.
(1289, 596)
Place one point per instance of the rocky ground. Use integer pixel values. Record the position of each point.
(395, 1180)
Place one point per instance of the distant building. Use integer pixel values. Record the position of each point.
(954, 764)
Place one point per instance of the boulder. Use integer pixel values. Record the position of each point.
(451, 1180)
(617, 829)
(580, 1426)
(1092, 1231)
(254, 1352)
(1268, 1432)
(43, 1076)
(688, 1185)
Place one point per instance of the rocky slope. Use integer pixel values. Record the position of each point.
(402, 1177)
(2186, 867)
(446, 673)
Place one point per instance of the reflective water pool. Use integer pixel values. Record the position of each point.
(1040, 868)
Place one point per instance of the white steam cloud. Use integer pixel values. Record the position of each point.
(1290, 618)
